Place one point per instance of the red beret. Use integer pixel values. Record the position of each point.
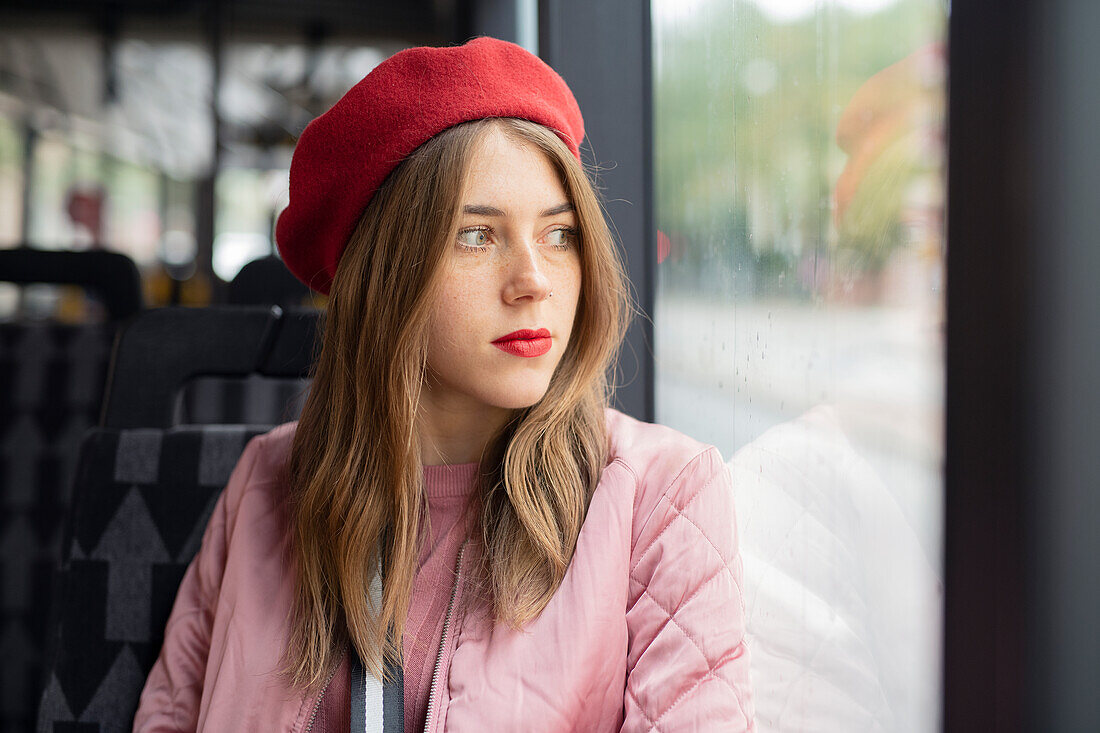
(344, 155)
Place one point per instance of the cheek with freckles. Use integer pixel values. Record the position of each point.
(460, 313)
(459, 335)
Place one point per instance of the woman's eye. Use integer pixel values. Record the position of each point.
(561, 238)
(473, 238)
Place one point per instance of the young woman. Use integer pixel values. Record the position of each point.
(459, 534)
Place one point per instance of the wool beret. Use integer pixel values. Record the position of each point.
(343, 156)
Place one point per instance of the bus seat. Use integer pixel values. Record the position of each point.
(52, 379)
(141, 501)
(144, 489)
(266, 281)
(184, 365)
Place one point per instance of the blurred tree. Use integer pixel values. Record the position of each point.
(746, 116)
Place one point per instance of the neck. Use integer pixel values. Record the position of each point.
(456, 433)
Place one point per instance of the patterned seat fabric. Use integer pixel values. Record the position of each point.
(141, 501)
(51, 388)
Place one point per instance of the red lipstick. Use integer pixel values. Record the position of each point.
(525, 342)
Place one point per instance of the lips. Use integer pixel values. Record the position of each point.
(526, 342)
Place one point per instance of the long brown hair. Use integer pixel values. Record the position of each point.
(354, 472)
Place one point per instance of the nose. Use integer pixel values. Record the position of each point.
(526, 275)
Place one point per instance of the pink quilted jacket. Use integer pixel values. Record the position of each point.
(646, 632)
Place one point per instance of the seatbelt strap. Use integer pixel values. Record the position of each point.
(376, 707)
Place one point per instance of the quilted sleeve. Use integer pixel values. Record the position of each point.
(688, 664)
(173, 690)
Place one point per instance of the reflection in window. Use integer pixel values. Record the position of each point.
(799, 320)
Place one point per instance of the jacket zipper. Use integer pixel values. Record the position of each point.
(317, 705)
(443, 641)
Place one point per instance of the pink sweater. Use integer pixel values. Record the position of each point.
(447, 488)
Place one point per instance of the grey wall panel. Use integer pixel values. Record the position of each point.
(602, 50)
(496, 18)
(1022, 469)
(1063, 366)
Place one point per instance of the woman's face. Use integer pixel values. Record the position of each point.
(496, 333)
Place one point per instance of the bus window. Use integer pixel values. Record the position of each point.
(799, 168)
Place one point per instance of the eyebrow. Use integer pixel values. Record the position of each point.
(483, 210)
(559, 209)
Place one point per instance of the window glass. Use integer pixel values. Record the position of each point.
(116, 144)
(799, 169)
(98, 139)
(11, 178)
(269, 93)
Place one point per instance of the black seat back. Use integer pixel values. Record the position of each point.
(266, 281)
(52, 378)
(144, 491)
(233, 348)
(141, 501)
(111, 276)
